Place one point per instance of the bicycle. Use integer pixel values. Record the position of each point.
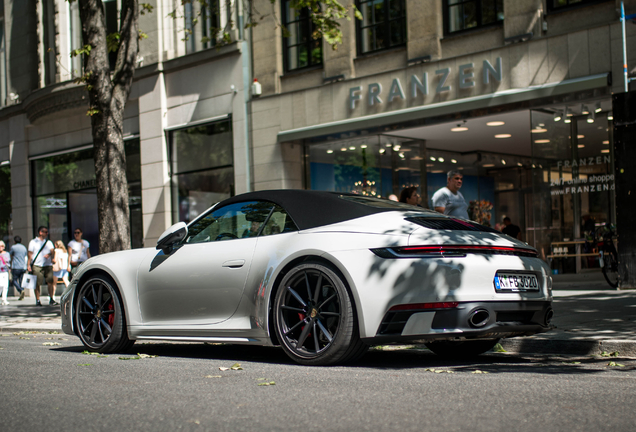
(608, 256)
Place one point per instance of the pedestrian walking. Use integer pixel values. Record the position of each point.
(410, 196)
(60, 265)
(18, 254)
(449, 200)
(5, 259)
(511, 229)
(41, 254)
(78, 250)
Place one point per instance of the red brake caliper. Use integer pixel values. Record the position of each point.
(111, 317)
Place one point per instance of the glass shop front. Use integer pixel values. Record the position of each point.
(549, 170)
(65, 195)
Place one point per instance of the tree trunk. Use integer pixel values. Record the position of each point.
(108, 92)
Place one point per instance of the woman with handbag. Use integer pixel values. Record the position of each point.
(60, 264)
(5, 259)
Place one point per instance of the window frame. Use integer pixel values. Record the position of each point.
(386, 23)
(446, 13)
(550, 8)
(305, 16)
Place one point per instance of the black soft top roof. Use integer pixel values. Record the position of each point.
(311, 209)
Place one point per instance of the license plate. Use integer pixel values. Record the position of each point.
(516, 282)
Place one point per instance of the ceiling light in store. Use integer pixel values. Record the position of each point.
(580, 136)
(437, 171)
(581, 146)
(538, 130)
(503, 136)
(488, 165)
(382, 151)
(329, 151)
(363, 146)
(389, 145)
(416, 158)
(440, 159)
(534, 166)
(459, 128)
(519, 164)
(610, 115)
(584, 110)
(432, 158)
(568, 113)
(397, 148)
(557, 116)
(503, 161)
(542, 141)
(567, 120)
(453, 161)
(590, 117)
(343, 149)
(401, 155)
(598, 108)
(605, 151)
(606, 142)
(495, 123)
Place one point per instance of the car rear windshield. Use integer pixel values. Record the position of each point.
(382, 203)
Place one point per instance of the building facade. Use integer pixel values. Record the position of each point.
(514, 94)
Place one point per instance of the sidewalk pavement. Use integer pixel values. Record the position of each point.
(589, 315)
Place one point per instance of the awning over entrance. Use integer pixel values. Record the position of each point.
(444, 108)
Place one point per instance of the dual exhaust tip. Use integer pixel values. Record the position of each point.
(480, 317)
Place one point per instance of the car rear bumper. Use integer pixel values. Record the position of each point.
(469, 320)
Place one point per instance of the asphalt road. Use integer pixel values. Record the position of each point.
(48, 384)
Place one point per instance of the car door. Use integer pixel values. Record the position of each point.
(202, 280)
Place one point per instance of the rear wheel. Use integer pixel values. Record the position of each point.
(610, 268)
(100, 316)
(314, 318)
(461, 349)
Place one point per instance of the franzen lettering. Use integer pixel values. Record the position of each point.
(598, 160)
(419, 86)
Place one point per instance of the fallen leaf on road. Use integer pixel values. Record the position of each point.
(129, 358)
(221, 368)
(213, 376)
(270, 383)
(612, 354)
(615, 364)
(22, 337)
(51, 343)
(236, 366)
(498, 348)
(479, 372)
(143, 356)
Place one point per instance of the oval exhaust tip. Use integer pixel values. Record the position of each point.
(479, 318)
(548, 316)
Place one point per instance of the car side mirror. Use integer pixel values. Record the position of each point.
(172, 236)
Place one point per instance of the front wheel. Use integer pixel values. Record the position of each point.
(100, 316)
(610, 268)
(314, 317)
(461, 349)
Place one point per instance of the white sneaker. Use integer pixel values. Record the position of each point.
(5, 303)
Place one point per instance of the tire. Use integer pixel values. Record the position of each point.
(610, 268)
(100, 316)
(461, 349)
(314, 317)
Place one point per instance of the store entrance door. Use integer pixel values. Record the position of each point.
(82, 211)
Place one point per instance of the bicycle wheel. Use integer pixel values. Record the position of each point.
(610, 268)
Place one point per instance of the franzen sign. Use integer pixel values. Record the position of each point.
(465, 78)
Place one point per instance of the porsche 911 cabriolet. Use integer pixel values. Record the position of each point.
(324, 275)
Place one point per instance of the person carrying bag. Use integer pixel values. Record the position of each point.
(29, 281)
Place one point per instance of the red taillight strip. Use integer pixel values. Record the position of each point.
(441, 249)
(424, 306)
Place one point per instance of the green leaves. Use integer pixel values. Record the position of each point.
(139, 356)
(612, 354)
(85, 50)
(145, 8)
(615, 364)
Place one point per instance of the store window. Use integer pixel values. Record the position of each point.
(573, 185)
(554, 5)
(383, 25)
(202, 168)
(65, 196)
(3, 65)
(201, 25)
(460, 15)
(48, 41)
(301, 48)
(75, 38)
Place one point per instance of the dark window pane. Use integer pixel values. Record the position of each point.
(380, 37)
(316, 52)
(395, 9)
(378, 11)
(470, 15)
(202, 147)
(488, 11)
(455, 19)
(292, 58)
(398, 29)
(303, 56)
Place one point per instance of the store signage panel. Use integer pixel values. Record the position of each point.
(465, 80)
(592, 183)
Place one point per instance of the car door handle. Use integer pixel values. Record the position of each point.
(234, 263)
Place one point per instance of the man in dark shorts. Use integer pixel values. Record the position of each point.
(41, 252)
(510, 229)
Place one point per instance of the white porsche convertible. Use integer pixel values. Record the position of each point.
(324, 275)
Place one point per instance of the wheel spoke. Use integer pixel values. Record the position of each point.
(327, 301)
(93, 332)
(85, 300)
(105, 324)
(324, 331)
(316, 343)
(308, 287)
(293, 309)
(296, 296)
(288, 332)
(318, 285)
(331, 314)
(303, 335)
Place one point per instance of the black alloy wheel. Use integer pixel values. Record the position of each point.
(99, 316)
(314, 317)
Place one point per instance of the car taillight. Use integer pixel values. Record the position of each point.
(431, 251)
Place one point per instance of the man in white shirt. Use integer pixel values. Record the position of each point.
(42, 250)
(78, 251)
(449, 200)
